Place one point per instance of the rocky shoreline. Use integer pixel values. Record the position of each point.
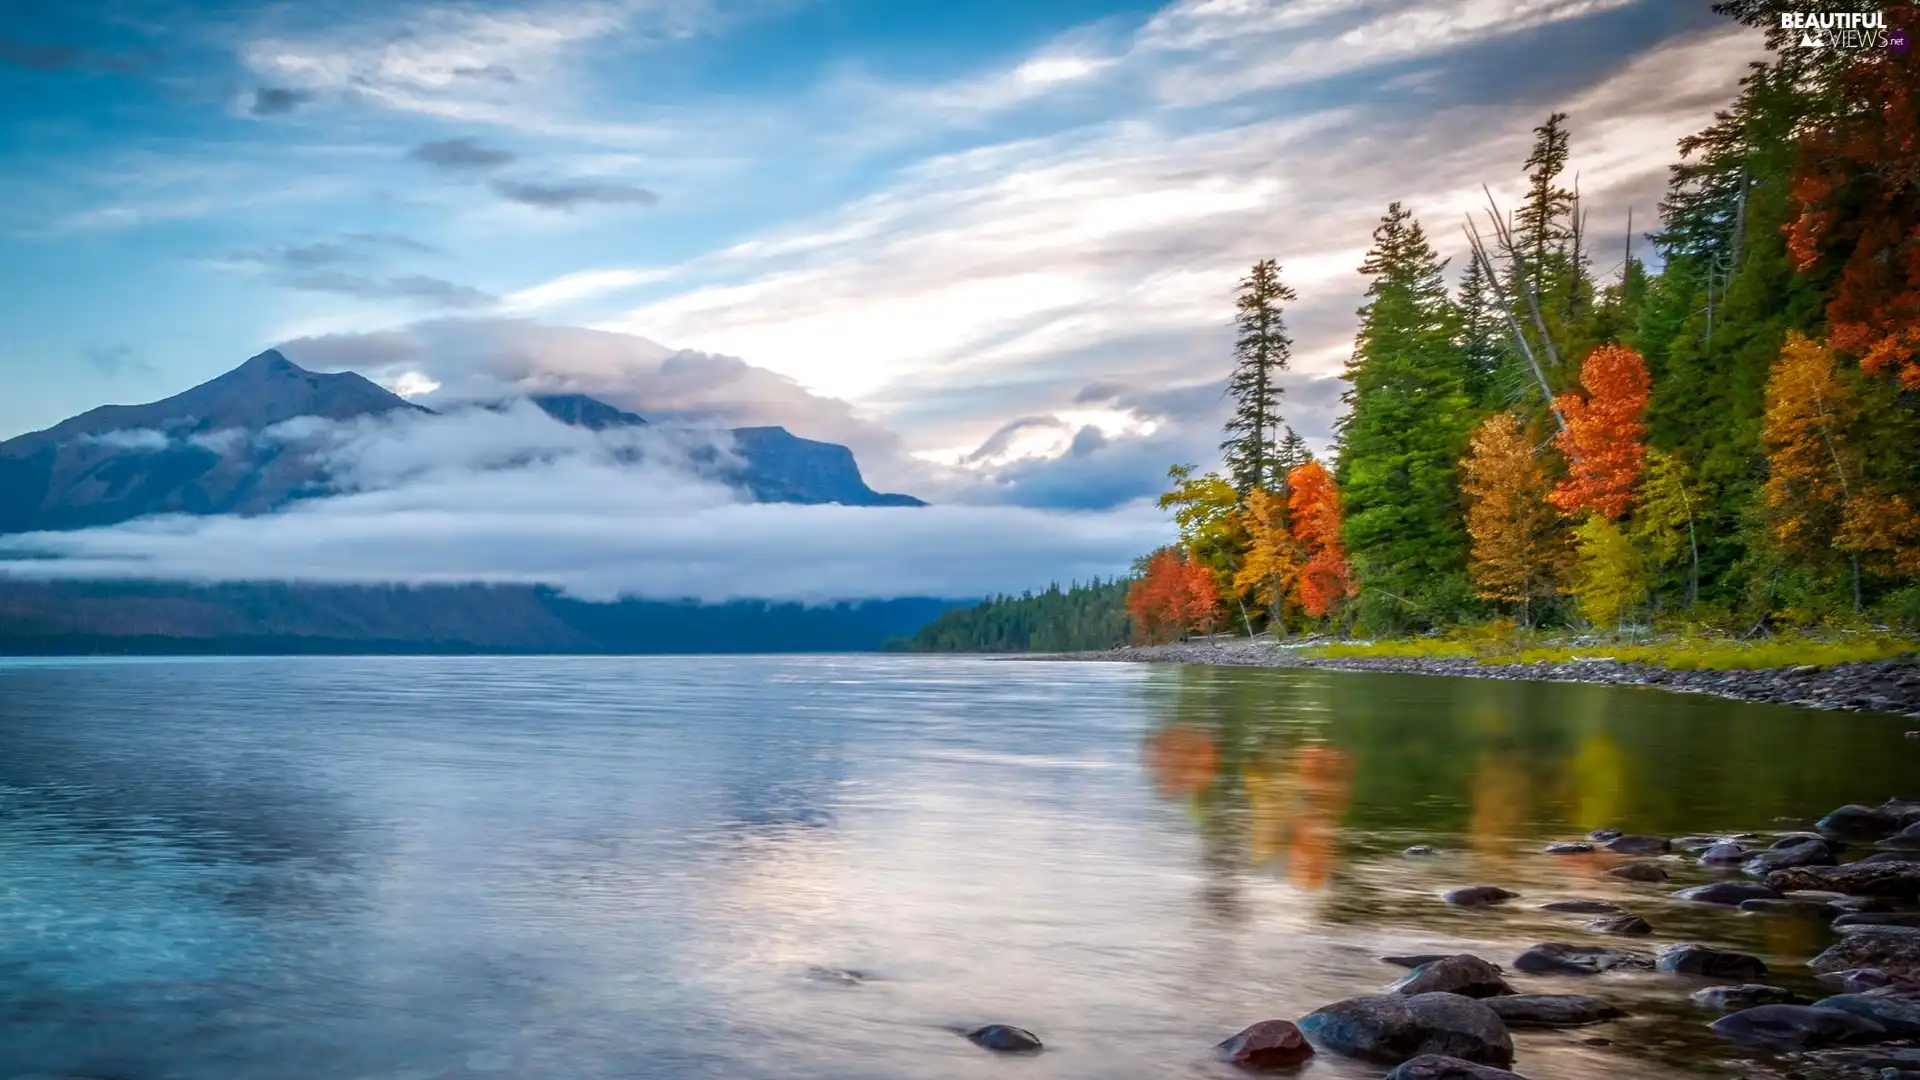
(1886, 686)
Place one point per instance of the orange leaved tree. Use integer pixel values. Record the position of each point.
(1514, 554)
(1174, 596)
(1605, 438)
(1271, 563)
(1314, 505)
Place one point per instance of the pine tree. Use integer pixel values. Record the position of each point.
(1481, 338)
(1407, 424)
(1261, 353)
(1541, 226)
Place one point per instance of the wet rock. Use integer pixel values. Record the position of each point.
(1560, 958)
(1879, 1057)
(1745, 996)
(1005, 1038)
(1415, 960)
(1583, 907)
(1892, 949)
(1904, 810)
(1891, 880)
(1813, 909)
(1727, 893)
(1395, 1027)
(1440, 1067)
(1477, 895)
(1269, 1044)
(1860, 980)
(1418, 851)
(1552, 1010)
(1630, 925)
(1796, 1027)
(1806, 853)
(1697, 843)
(1569, 849)
(1908, 837)
(1690, 959)
(1898, 1013)
(1465, 974)
(1887, 857)
(1723, 854)
(1639, 845)
(1639, 872)
(1856, 822)
(840, 976)
(1797, 838)
(1602, 836)
(1878, 918)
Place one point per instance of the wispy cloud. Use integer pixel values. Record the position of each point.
(459, 155)
(572, 195)
(277, 100)
(42, 56)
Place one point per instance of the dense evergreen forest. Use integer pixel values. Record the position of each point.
(1728, 442)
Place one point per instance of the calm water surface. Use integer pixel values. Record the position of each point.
(441, 869)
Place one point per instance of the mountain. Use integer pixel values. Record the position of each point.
(180, 455)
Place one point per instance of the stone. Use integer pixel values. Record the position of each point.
(1477, 895)
(1796, 1027)
(1583, 907)
(1601, 836)
(1723, 854)
(1892, 949)
(1898, 1013)
(841, 976)
(1269, 1044)
(1856, 822)
(1639, 845)
(1878, 1057)
(1691, 959)
(1889, 880)
(1418, 851)
(1005, 1038)
(1727, 893)
(1860, 980)
(1696, 843)
(1392, 1028)
(1806, 853)
(1878, 918)
(1795, 839)
(1441, 1067)
(1744, 996)
(1887, 857)
(1908, 837)
(1465, 974)
(1552, 1010)
(1639, 871)
(1815, 909)
(1415, 960)
(1560, 958)
(1569, 849)
(1630, 925)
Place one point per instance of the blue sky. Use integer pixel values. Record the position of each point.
(991, 245)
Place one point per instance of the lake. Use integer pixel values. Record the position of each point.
(439, 868)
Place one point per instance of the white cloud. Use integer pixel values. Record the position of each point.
(139, 439)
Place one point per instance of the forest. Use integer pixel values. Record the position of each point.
(1722, 436)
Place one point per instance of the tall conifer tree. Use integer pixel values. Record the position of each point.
(1251, 450)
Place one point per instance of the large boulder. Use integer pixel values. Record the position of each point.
(1465, 974)
(1440, 1067)
(1269, 1044)
(1809, 853)
(1892, 949)
(1552, 1010)
(1392, 1028)
(1690, 959)
(1560, 958)
(1899, 1013)
(1891, 880)
(1728, 893)
(1856, 822)
(1477, 895)
(1744, 996)
(1639, 845)
(1797, 1027)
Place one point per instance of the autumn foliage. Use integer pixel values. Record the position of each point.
(1271, 565)
(1605, 440)
(1508, 515)
(1175, 596)
(1314, 507)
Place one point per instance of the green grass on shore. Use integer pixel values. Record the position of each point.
(1674, 653)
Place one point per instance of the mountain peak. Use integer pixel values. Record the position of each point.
(270, 362)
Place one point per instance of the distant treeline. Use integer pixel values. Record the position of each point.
(1081, 617)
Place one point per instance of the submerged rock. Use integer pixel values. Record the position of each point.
(1728, 893)
(1860, 980)
(840, 976)
(1005, 1038)
(1722, 854)
(1552, 1010)
(1898, 1013)
(1796, 1027)
(1908, 837)
(1415, 960)
(1477, 895)
(1465, 974)
(1887, 857)
(1569, 849)
(1639, 872)
(1745, 996)
(1560, 958)
(1808, 853)
(1584, 907)
(1797, 838)
(1816, 909)
(1691, 959)
(1269, 1044)
(1856, 822)
(1395, 1027)
(1601, 836)
(1895, 880)
(1639, 845)
(1440, 1067)
(1892, 949)
(1418, 851)
(1630, 925)
(1878, 918)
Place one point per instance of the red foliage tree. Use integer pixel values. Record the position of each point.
(1314, 508)
(1176, 595)
(1605, 439)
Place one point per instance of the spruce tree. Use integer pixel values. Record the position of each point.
(1402, 439)
(1481, 337)
(1261, 353)
(1541, 228)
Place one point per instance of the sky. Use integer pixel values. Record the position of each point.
(991, 246)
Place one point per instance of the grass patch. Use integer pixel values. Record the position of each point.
(1677, 653)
